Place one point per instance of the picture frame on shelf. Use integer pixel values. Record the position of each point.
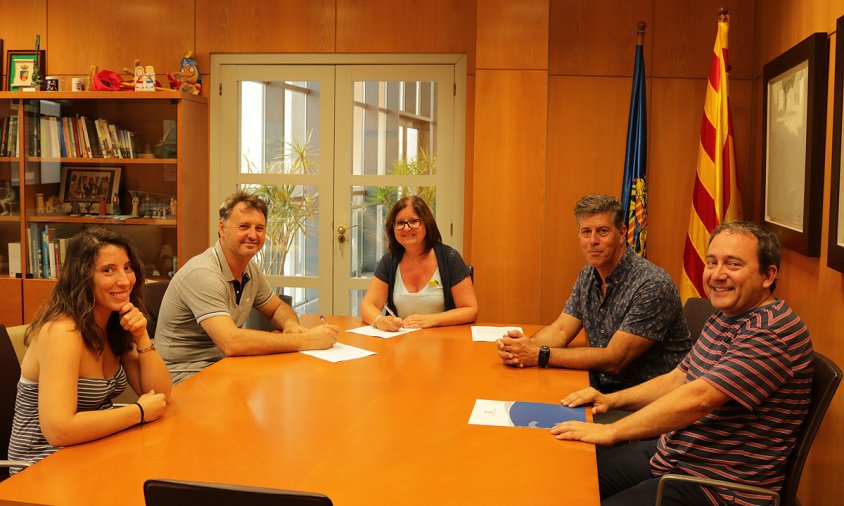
(794, 135)
(20, 65)
(835, 242)
(82, 187)
(1, 62)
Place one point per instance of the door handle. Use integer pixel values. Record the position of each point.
(341, 233)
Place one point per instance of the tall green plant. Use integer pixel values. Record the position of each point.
(424, 164)
(290, 207)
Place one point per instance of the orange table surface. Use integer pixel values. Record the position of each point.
(391, 428)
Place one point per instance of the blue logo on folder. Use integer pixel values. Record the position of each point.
(542, 415)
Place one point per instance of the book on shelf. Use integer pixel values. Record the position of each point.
(14, 259)
(46, 251)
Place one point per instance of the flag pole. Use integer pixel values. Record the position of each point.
(640, 34)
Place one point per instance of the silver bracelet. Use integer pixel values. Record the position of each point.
(375, 321)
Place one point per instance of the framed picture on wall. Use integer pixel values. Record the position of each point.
(835, 243)
(794, 123)
(20, 67)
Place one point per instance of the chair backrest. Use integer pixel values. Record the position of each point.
(697, 311)
(153, 294)
(10, 373)
(825, 381)
(178, 493)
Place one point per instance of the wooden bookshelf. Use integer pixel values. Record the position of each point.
(161, 170)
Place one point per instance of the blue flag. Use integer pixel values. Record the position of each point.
(634, 196)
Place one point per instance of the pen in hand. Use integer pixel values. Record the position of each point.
(391, 313)
(322, 318)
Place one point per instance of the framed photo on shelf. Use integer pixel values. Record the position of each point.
(794, 122)
(82, 187)
(835, 243)
(20, 66)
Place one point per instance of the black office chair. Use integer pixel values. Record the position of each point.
(160, 492)
(697, 311)
(10, 373)
(153, 294)
(825, 382)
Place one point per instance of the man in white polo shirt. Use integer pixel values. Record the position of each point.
(210, 298)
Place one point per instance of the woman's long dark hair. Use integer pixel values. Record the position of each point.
(432, 232)
(73, 295)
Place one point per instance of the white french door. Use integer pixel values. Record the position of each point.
(331, 147)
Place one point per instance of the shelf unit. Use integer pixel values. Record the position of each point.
(170, 160)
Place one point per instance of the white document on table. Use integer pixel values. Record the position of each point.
(482, 333)
(339, 352)
(369, 330)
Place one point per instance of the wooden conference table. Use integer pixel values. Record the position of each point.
(391, 428)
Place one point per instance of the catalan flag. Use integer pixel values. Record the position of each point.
(715, 199)
(634, 197)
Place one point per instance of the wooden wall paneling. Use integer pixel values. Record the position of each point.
(784, 23)
(35, 292)
(407, 26)
(742, 106)
(10, 310)
(112, 34)
(509, 190)
(587, 130)
(469, 167)
(684, 35)
(597, 38)
(674, 135)
(513, 34)
(21, 22)
(291, 26)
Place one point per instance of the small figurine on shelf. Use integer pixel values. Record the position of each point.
(172, 207)
(149, 78)
(115, 204)
(188, 79)
(7, 198)
(135, 202)
(52, 205)
(74, 207)
(139, 78)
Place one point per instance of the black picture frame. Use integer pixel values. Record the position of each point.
(793, 142)
(835, 242)
(85, 186)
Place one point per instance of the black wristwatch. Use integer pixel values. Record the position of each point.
(544, 356)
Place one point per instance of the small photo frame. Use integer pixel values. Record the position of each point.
(20, 66)
(794, 138)
(82, 187)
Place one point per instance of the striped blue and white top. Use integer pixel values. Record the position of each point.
(28, 442)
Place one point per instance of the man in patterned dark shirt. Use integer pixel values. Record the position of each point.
(733, 407)
(629, 308)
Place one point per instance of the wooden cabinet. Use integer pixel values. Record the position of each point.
(136, 163)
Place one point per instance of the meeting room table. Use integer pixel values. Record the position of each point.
(390, 428)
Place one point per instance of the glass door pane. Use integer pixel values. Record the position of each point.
(394, 137)
(284, 152)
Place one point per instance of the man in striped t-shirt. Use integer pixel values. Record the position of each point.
(733, 407)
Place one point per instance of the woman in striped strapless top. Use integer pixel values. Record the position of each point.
(88, 341)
